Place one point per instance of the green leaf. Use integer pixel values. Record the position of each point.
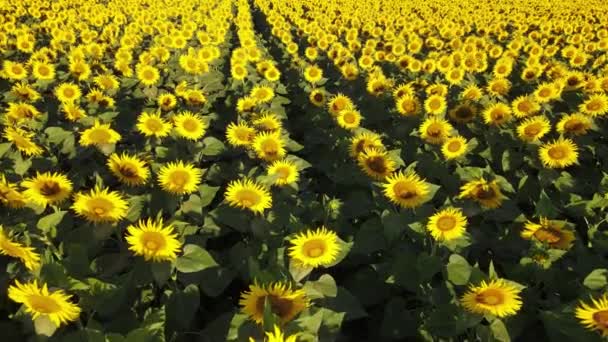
(194, 259)
(207, 194)
(459, 270)
(50, 221)
(298, 271)
(545, 207)
(324, 287)
(5, 147)
(21, 165)
(161, 271)
(499, 331)
(56, 135)
(213, 146)
(182, 307)
(596, 279)
(44, 326)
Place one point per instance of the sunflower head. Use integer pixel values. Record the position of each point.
(550, 232)
(28, 255)
(315, 248)
(285, 171)
(128, 169)
(189, 126)
(435, 130)
(406, 190)
(574, 124)
(284, 302)
(248, 194)
(487, 193)
(100, 205)
(152, 125)
(594, 315)
(153, 240)
(376, 163)
(532, 129)
(99, 135)
(454, 147)
(559, 153)
(179, 178)
(269, 146)
(496, 297)
(447, 224)
(47, 188)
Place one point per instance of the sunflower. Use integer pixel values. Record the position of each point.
(364, 140)
(455, 76)
(27, 255)
(575, 124)
(268, 122)
(262, 94)
(285, 171)
(546, 92)
(447, 224)
(246, 104)
(25, 92)
(39, 301)
(179, 178)
(487, 194)
(148, 75)
(499, 87)
(238, 72)
(595, 105)
(550, 232)
(284, 302)
(100, 205)
(47, 188)
(339, 103)
(594, 316)
(9, 195)
(166, 101)
(313, 74)
(153, 240)
(435, 104)
(435, 130)
(524, 106)
(248, 194)
(349, 119)
(376, 163)
(67, 92)
(496, 297)
(195, 97)
(190, 126)
(272, 74)
(463, 113)
(454, 147)
(99, 134)
(277, 336)
(408, 105)
(471, 93)
(152, 125)
(106, 82)
(14, 70)
(269, 146)
(317, 97)
(73, 112)
(559, 153)
(240, 134)
(21, 111)
(532, 129)
(315, 248)
(128, 169)
(497, 114)
(407, 190)
(22, 140)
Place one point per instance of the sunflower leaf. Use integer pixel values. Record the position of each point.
(459, 270)
(194, 259)
(596, 279)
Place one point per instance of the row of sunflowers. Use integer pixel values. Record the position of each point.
(259, 170)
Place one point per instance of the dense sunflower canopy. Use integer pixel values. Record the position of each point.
(303, 170)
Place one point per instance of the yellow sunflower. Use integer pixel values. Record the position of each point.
(435, 104)
(575, 124)
(22, 140)
(240, 134)
(487, 194)
(315, 248)
(166, 101)
(559, 153)
(595, 105)
(269, 146)
(497, 114)
(152, 125)
(454, 147)
(190, 126)
(100, 205)
(376, 163)
(285, 171)
(27, 255)
(463, 113)
(277, 336)
(339, 103)
(14, 70)
(534, 128)
(435, 130)
(268, 122)
(148, 75)
(362, 141)
(408, 105)
(496, 297)
(447, 224)
(524, 106)
(9, 195)
(284, 302)
(594, 316)
(248, 194)
(128, 169)
(153, 240)
(313, 74)
(551, 232)
(47, 188)
(67, 92)
(317, 97)
(179, 178)
(349, 119)
(99, 134)
(407, 190)
(73, 112)
(40, 302)
(262, 94)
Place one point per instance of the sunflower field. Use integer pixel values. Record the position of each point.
(303, 170)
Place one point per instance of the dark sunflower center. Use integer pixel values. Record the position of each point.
(574, 125)
(601, 317)
(50, 188)
(318, 97)
(557, 152)
(548, 235)
(532, 130)
(490, 297)
(464, 112)
(485, 193)
(594, 105)
(279, 306)
(127, 170)
(377, 164)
